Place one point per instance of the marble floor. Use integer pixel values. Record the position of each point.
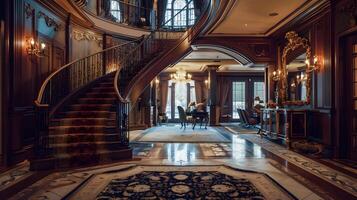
(301, 176)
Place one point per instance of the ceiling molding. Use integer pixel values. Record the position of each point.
(300, 10)
(240, 58)
(229, 6)
(304, 19)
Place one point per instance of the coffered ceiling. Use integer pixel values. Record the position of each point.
(260, 17)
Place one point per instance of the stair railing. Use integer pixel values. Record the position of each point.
(129, 14)
(126, 59)
(151, 46)
(67, 80)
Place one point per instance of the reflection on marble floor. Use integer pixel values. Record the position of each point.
(186, 152)
(341, 180)
(175, 134)
(245, 151)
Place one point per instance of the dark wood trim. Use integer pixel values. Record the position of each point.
(2, 84)
(68, 38)
(259, 50)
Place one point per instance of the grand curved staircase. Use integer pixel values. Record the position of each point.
(82, 108)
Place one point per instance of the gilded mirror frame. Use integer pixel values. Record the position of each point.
(295, 42)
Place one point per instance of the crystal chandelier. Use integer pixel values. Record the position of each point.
(181, 76)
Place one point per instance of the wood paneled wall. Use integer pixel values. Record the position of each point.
(316, 26)
(344, 25)
(66, 38)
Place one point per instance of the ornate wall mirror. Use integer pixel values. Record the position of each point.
(296, 81)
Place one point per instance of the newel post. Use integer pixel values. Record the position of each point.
(122, 121)
(43, 154)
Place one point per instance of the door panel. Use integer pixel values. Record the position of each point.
(351, 98)
(238, 97)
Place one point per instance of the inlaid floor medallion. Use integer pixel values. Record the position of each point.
(172, 182)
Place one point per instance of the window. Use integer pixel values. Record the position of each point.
(168, 105)
(259, 91)
(115, 9)
(182, 12)
(179, 94)
(180, 97)
(238, 97)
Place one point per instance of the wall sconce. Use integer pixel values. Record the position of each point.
(157, 81)
(301, 78)
(315, 66)
(276, 75)
(112, 67)
(34, 48)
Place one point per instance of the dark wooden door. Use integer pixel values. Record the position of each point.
(350, 56)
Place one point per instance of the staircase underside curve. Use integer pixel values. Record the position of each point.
(179, 51)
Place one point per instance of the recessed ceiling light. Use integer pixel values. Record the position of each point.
(273, 14)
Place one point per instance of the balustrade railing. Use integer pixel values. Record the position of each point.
(152, 46)
(127, 14)
(126, 59)
(70, 78)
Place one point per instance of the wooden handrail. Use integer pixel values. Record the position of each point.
(44, 84)
(130, 4)
(118, 71)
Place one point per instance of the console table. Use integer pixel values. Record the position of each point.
(283, 123)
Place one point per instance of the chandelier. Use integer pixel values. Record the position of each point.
(181, 76)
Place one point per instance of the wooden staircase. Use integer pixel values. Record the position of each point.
(84, 131)
(82, 112)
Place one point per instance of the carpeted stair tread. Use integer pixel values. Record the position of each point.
(106, 83)
(95, 93)
(90, 107)
(100, 152)
(70, 119)
(84, 143)
(81, 121)
(101, 89)
(79, 112)
(85, 147)
(96, 100)
(87, 126)
(84, 131)
(81, 129)
(82, 137)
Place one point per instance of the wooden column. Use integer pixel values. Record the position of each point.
(212, 95)
(270, 84)
(146, 106)
(154, 102)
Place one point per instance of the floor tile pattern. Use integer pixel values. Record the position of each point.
(340, 180)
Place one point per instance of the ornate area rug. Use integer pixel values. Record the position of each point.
(189, 182)
(173, 134)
